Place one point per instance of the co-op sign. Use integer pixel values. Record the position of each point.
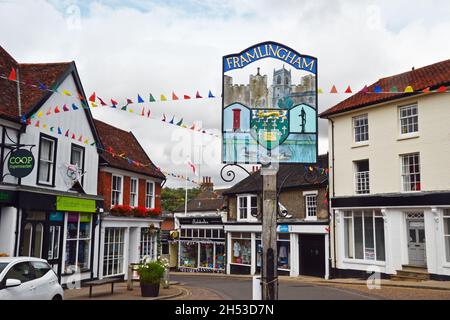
(20, 163)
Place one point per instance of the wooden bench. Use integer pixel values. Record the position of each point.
(102, 282)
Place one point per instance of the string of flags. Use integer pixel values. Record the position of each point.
(393, 90)
(322, 171)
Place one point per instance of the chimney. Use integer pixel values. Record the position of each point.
(207, 185)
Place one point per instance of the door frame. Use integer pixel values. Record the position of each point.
(415, 216)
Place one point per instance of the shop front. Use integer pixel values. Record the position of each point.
(201, 245)
(302, 248)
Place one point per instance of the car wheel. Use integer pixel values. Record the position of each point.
(57, 297)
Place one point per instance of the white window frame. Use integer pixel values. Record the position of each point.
(152, 195)
(446, 217)
(120, 200)
(148, 244)
(362, 179)
(136, 193)
(248, 215)
(308, 195)
(406, 176)
(51, 162)
(414, 118)
(375, 215)
(361, 134)
(115, 257)
(77, 239)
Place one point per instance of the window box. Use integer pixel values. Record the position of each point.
(139, 211)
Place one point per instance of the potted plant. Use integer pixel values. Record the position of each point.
(150, 274)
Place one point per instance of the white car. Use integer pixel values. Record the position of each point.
(27, 278)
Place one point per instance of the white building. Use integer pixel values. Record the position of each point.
(390, 176)
(51, 212)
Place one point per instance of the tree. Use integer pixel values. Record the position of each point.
(173, 198)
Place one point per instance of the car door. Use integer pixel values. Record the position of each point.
(24, 272)
(45, 281)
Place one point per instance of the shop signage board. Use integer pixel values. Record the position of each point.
(283, 228)
(75, 204)
(269, 106)
(201, 221)
(20, 163)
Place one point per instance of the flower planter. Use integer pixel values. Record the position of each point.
(149, 290)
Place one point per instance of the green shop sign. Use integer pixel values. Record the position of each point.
(75, 204)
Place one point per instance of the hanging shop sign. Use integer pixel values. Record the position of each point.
(75, 204)
(269, 106)
(201, 221)
(21, 163)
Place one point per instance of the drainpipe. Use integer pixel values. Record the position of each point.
(334, 193)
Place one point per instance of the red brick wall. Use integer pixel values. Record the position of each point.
(126, 190)
(104, 187)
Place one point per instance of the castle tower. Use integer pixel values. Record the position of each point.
(281, 85)
(258, 91)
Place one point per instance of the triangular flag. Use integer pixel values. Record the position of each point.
(44, 126)
(186, 97)
(377, 89)
(143, 112)
(114, 103)
(67, 133)
(56, 109)
(426, 90)
(80, 138)
(12, 75)
(129, 101)
(333, 89)
(179, 123)
(65, 108)
(23, 119)
(409, 89)
(51, 129)
(164, 117)
(152, 99)
(42, 86)
(54, 88)
(39, 114)
(131, 110)
(74, 106)
(49, 112)
(348, 90)
(93, 104)
(67, 93)
(174, 96)
(365, 89)
(93, 143)
(193, 127)
(28, 121)
(73, 136)
(92, 97)
(393, 89)
(140, 100)
(198, 96)
(210, 95)
(86, 141)
(101, 101)
(59, 130)
(37, 124)
(80, 97)
(172, 121)
(320, 91)
(124, 108)
(149, 112)
(442, 89)
(163, 98)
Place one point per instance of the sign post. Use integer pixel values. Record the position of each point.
(269, 117)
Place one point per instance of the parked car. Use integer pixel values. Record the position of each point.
(27, 278)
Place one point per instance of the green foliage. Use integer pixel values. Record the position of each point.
(173, 198)
(151, 272)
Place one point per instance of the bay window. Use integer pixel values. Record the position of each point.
(364, 235)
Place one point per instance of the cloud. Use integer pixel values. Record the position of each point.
(122, 48)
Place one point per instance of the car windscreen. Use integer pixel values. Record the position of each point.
(2, 266)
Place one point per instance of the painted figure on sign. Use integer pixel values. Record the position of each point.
(303, 117)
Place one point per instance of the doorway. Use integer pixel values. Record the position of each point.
(415, 225)
(312, 255)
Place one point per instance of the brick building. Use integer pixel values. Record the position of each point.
(131, 188)
(302, 224)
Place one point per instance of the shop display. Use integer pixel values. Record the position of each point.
(188, 255)
(241, 251)
(220, 256)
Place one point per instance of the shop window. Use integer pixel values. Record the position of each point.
(113, 258)
(188, 254)
(220, 256)
(207, 255)
(47, 156)
(26, 243)
(183, 233)
(133, 192)
(201, 233)
(284, 251)
(53, 243)
(148, 244)
(194, 233)
(247, 207)
(208, 233)
(364, 235)
(411, 172)
(149, 194)
(116, 193)
(78, 239)
(241, 248)
(446, 218)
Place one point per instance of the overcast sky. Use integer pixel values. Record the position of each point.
(122, 48)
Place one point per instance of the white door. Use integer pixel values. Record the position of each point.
(416, 243)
